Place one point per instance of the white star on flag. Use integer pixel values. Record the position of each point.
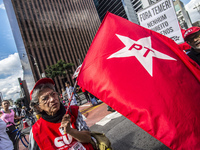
(141, 49)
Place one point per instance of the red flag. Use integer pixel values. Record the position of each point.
(145, 77)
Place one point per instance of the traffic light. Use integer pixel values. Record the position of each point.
(24, 91)
(21, 86)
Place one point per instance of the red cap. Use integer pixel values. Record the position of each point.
(41, 81)
(190, 31)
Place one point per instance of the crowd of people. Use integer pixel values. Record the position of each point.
(67, 94)
(60, 126)
(8, 125)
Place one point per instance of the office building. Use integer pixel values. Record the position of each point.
(182, 15)
(47, 31)
(123, 8)
(197, 23)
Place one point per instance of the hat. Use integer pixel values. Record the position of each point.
(41, 81)
(190, 31)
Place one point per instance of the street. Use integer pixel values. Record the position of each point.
(123, 134)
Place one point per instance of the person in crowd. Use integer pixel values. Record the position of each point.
(93, 99)
(86, 94)
(23, 111)
(59, 127)
(64, 95)
(192, 37)
(22, 103)
(16, 110)
(5, 142)
(110, 109)
(36, 110)
(69, 90)
(8, 116)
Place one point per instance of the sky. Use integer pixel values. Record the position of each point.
(10, 66)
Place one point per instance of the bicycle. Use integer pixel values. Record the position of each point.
(31, 118)
(19, 137)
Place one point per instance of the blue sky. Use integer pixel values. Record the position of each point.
(6, 39)
(11, 70)
(10, 66)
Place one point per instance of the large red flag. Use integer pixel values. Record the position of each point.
(145, 77)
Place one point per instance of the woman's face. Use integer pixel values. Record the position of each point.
(5, 105)
(49, 101)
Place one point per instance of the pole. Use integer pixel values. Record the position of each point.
(35, 63)
(36, 66)
(70, 99)
(79, 61)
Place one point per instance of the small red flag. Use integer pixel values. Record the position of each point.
(145, 77)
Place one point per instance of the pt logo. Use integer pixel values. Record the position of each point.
(139, 47)
(142, 50)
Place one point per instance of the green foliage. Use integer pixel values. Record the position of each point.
(61, 68)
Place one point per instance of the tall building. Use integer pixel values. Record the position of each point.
(197, 23)
(113, 6)
(1, 98)
(123, 8)
(137, 4)
(182, 15)
(47, 31)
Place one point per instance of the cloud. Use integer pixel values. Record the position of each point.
(193, 13)
(2, 6)
(10, 65)
(11, 70)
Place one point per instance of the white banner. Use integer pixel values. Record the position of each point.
(161, 17)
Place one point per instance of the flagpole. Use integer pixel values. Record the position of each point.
(70, 99)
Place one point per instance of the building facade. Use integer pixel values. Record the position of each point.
(123, 8)
(48, 31)
(113, 6)
(197, 23)
(182, 15)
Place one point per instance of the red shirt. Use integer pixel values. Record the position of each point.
(48, 136)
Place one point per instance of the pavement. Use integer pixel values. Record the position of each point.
(125, 135)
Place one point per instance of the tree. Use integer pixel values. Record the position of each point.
(61, 68)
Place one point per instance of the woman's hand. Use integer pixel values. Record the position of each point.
(81, 136)
(65, 123)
